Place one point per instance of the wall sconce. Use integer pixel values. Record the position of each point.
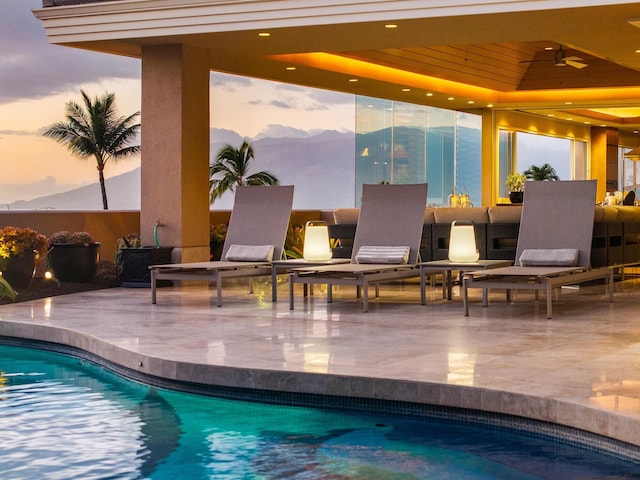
(316, 242)
(462, 243)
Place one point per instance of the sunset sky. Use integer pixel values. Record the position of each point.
(37, 80)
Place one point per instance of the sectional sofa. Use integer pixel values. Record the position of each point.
(615, 242)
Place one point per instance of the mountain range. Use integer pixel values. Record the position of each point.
(320, 165)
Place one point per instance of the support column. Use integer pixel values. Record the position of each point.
(175, 150)
(604, 159)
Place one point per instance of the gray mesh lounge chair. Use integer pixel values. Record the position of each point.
(259, 219)
(554, 243)
(390, 216)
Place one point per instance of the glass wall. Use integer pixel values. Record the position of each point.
(630, 172)
(399, 142)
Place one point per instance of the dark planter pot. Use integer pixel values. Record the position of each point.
(135, 263)
(19, 271)
(74, 262)
(215, 249)
(516, 197)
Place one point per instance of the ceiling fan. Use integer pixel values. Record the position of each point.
(561, 60)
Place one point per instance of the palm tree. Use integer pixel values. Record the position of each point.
(544, 172)
(231, 169)
(97, 131)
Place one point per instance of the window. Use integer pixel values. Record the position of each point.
(518, 151)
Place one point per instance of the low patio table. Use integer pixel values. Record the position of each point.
(447, 266)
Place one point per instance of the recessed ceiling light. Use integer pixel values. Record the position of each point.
(489, 105)
(264, 34)
(391, 25)
(471, 102)
(568, 102)
(429, 94)
(451, 98)
(548, 48)
(635, 131)
(570, 118)
(638, 50)
(587, 123)
(290, 68)
(550, 115)
(603, 125)
(406, 89)
(353, 80)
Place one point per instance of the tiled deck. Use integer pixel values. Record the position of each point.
(581, 368)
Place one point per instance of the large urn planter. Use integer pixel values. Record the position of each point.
(19, 270)
(134, 266)
(74, 262)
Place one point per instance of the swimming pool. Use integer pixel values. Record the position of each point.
(62, 417)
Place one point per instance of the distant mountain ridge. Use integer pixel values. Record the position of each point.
(310, 162)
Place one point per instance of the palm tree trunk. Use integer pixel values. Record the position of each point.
(103, 189)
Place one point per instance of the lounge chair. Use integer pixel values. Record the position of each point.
(554, 243)
(256, 235)
(386, 244)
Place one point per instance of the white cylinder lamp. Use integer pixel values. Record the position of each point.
(316, 242)
(462, 243)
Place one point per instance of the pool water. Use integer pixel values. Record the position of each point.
(65, 418)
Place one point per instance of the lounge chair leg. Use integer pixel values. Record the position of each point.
(153, 286)
(365, 296)
(274, 285)
(549, 300)
(329, 293)
(465, 297)
(423, 286)
(219, 290)
(377, 290)
(610, 285)
(291, 277)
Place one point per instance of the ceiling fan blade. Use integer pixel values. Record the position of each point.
(574, 64)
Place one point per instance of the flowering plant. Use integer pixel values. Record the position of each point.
(515, 182)
(67, 237)
(217, 233)
(16, 241)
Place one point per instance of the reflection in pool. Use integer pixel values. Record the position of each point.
(63, 417)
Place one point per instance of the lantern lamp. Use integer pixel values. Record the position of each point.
(316, 242)
(462, 243)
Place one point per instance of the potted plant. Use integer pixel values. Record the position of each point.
(20, 250)
(132, 261)
(217, 234)
(73, 257)
(515, 184)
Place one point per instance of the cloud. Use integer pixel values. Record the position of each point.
(20, 133)
(229, 82)
(288, 103)
(30, 67)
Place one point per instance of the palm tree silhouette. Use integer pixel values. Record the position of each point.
(231, 169)
(544, 172)
(96, 130)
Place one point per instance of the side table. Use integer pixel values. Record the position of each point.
(447, 266)
(284, 266)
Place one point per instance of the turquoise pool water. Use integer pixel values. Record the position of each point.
(65, 418)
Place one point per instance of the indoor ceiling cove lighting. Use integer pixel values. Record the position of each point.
(316, 242)
(633, 154)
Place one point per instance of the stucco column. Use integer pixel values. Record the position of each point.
(175, 150)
